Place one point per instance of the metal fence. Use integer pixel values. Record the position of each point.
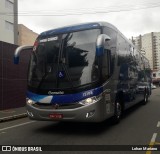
(13, 78)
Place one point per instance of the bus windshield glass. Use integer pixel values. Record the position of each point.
(64, 61)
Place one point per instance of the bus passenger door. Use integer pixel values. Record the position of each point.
(127, 84)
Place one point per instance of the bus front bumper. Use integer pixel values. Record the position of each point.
(89, 113)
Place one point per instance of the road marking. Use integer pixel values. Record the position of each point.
(154, 137)
(152, 142)
(7, 111)
(2, 133)
(158, 125)
(17, 125)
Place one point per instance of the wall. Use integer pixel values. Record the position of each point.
(13, 78)
(26, 36)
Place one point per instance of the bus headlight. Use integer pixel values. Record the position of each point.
(30, 102)
(90, 100)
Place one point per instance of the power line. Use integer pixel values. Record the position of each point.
(81, 11)
(86, 9)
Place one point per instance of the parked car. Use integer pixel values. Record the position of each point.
(153, 86)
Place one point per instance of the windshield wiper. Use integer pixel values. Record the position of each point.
(62, 62)
(59, 58)
(68, 75)
(43, 78)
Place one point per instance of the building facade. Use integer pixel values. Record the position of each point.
(149, 44)
(25, 35)
(156, 77)
(156, 50)
(9, 21)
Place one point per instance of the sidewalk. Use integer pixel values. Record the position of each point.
(11, 114)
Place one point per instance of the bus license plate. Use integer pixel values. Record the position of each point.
(56, 116)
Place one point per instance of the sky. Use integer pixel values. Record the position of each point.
(131, 17)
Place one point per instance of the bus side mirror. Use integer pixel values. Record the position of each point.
(18, 51)
(101, 39)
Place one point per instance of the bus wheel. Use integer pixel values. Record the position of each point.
(118, 113)
(145, 100)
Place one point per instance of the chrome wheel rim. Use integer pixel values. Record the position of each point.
(145, 98)
(118, 110)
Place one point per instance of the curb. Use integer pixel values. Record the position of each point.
(14, 117)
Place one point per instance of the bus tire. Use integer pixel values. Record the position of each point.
(118, 113)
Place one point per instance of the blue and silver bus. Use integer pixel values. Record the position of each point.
(86, 73)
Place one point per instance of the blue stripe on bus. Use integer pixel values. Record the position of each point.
(70, 29)
(99, 50)
(68, 98)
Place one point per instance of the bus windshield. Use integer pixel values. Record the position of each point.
(64, 61)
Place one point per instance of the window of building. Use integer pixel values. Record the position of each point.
(9, 4)
(154, 75)
(11, 1)
(9, 26)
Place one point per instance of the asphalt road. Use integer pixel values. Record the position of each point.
(139, 126)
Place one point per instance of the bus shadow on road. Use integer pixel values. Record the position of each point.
(78, 128)
(134, 109)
